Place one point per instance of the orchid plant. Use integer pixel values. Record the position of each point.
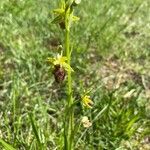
(62, 66)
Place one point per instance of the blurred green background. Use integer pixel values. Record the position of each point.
(111, 56)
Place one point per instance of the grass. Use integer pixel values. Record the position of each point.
(111, 56)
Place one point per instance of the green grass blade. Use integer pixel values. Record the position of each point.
(6, 145)
(35, 130)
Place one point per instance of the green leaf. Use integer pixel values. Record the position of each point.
(6, 145)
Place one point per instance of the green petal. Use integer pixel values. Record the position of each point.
(58, 11)
(67, 67)
(64, 59)
(58, 19)
(75, 18)
(51, 60)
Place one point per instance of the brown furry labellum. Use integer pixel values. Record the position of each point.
(59, 73)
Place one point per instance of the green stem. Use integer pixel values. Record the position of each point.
(68, 58)
(70, 119)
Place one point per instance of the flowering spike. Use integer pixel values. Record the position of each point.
(61, 14)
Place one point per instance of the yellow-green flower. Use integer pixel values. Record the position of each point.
(87, 101)
(60, 60)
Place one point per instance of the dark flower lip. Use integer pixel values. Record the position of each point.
(62, 25)
(59, 73)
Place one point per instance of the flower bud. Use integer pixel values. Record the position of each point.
(76, 2)
(85, 121)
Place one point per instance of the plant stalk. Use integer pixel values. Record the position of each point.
(69, 108)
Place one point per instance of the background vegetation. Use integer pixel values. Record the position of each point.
(111, 56)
